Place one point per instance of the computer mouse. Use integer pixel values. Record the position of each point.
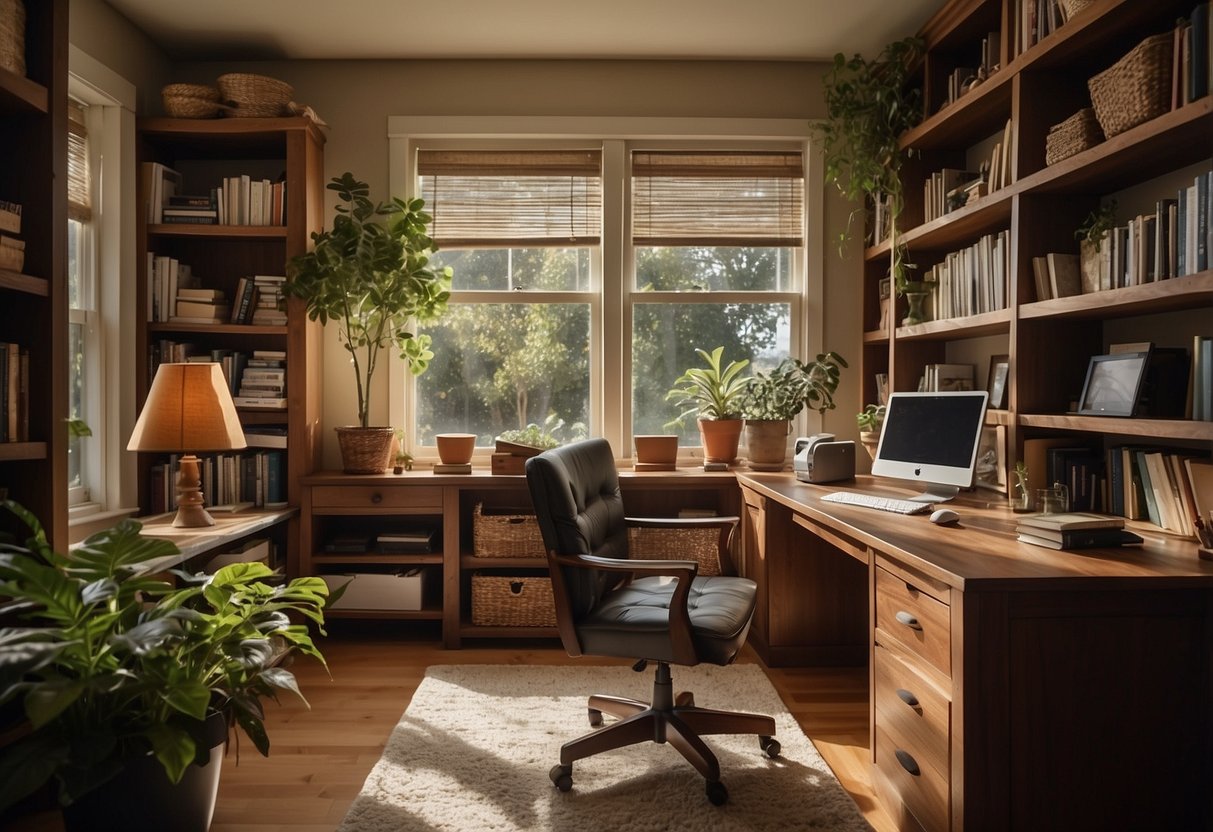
(944, 516)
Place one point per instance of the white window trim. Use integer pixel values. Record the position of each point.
(114, 143)
(615, 421)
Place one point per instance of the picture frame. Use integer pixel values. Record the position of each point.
(1113, 384)
(990, 469)
(996, 384)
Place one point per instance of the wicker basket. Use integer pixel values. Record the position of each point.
(365, 450)
(678, 544)
(511, 534)
(12, 36)
(256, 96)
(512, 601)
(1073, 7)
(1136, 88)
(191, 101)
(1077, 133)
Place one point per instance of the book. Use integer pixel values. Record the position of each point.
(201, 309)
(1040, 273)
(1080, 539)
(256, 436)
(1068, 521)
(1064, 279)
(1200, 475)
(259, 402)
(199, 294)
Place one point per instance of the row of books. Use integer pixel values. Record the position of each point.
(938, 378)
(166, 278)
(233, 362)
(948, 189)
(259, 301)
(1192, 57)
(10, 217)
(238, 479)
(1201, 386)
(964, 78)
(1057, 275)
(1074, 530)
(14, 392)
(972, 280)
(263, 383)
(12, 247)
(238, 200)
(420, 540)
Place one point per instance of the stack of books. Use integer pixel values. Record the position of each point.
(185, 209)
(200, 306)
(268, 309)
(1074, 530)
(263, 381)
(416, 541)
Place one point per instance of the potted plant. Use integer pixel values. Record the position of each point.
(371, 274)
(1090, 236)
(122, 675)
(870, 421)
(713, 395)
(869, 104)
(771, 401)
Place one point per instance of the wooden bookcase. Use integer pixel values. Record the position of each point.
(1049, 342)
(33, 303)
(205, 151)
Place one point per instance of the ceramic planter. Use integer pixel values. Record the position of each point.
(455, 448)
(767, 443)
(720, 439)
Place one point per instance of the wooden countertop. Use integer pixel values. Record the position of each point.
(481, 477)
(229, 527)
(981, 552)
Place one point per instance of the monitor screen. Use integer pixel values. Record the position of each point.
(932, 438)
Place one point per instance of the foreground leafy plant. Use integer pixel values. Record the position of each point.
(115, 663)
(793, 384)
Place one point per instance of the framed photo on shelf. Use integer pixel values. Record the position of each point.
(990, 470)
(1113, 384)
(996, 384)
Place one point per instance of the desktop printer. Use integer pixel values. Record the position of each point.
(821, 458)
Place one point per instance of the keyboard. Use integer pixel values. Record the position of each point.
(851, 498)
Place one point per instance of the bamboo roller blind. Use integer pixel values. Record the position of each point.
(79, 204)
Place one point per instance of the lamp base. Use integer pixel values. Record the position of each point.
(190, 511)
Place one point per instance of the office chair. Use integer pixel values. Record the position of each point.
(610, 605)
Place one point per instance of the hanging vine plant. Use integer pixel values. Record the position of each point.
(869, 104)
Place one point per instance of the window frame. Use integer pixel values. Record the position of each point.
(611, 415)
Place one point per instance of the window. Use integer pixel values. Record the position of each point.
(84, 342)
(588, 266)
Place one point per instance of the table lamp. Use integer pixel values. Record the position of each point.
(188, 409)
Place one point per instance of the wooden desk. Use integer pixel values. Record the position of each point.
(1011, 686)
(228, 529)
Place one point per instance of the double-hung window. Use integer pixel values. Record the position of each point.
(84, 337)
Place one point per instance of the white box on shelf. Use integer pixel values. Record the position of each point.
(247, 552)
(375, 591)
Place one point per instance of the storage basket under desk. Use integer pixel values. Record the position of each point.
(512, 601)
(505, 533)
(700, 544)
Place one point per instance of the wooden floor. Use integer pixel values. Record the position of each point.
(320, 757)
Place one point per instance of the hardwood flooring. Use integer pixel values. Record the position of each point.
(320, 757)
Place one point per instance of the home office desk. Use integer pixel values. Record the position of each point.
(1011, 686)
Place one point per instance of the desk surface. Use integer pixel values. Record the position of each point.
(198, 541)
(982, 552)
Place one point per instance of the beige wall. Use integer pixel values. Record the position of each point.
(95, 28)
(356, 98)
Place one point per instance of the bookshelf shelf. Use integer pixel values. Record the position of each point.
(876, 336)
(21, 95)
(428, 614)
(218, 329)
(1149, 298)
(13, 451)
(17, 282)
(224, 232)
(355, 558)
(967, 119)
(997, 322)
(999, 417)
(1169, 429)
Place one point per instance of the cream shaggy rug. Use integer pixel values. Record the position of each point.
(473, 750)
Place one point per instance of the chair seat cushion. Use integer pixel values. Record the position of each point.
(633, 620)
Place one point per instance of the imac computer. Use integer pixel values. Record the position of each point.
(932, 439)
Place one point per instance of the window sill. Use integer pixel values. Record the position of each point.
(82, 523)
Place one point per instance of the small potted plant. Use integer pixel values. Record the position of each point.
(1090, 237)
(371, 274)
(712, 394)
(131, 685)
(772, 400)
(870, 421)
(1021, 494)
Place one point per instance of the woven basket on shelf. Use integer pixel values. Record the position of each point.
(678, 544)
(1073, 7)
(505, 535)
(12, 36)
(1077, 133)
(1136, 88)
(512, 601)
(365, 450)
(256, 96)
(191, 101)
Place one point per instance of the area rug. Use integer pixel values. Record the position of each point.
(473, 750)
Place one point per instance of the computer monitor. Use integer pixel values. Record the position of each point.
(932, 439)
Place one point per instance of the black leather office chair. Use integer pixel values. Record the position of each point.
(610, 605)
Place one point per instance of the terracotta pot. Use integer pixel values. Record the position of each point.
(720, 439)
(657, 449)
(365, 450)
(766, 442)
(455, 448)
(870, 439)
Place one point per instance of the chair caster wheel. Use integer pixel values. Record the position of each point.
(562, 777)
(718, 795)
(685, 699)
(595, 717)
(770, 745)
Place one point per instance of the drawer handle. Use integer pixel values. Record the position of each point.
(376, 498)
(909, 620)
(907, 762)
(907, 697)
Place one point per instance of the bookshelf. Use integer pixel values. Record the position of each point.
(33, 300)
(1049, 341)
(204, 152)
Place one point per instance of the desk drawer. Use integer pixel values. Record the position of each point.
(914, 619)
(914, 709)
(920, 788)
(372, 497)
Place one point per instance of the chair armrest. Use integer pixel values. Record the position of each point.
(682, 570)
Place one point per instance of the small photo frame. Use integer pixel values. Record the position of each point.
(990, 470)
(996, 385)
(1113, 384)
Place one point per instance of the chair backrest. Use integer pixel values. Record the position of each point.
(575, 491)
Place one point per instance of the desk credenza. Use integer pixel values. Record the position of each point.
(1011, 686)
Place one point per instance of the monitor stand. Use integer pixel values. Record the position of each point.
(936, 493)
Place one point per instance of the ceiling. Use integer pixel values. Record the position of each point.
(470, 29)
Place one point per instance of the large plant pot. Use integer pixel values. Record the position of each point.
(766, 443)
(720, 439)
(656, 452)
(455, 448)
(140, 796)
(365, 450)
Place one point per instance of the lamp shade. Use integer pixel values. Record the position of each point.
(189, 408)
